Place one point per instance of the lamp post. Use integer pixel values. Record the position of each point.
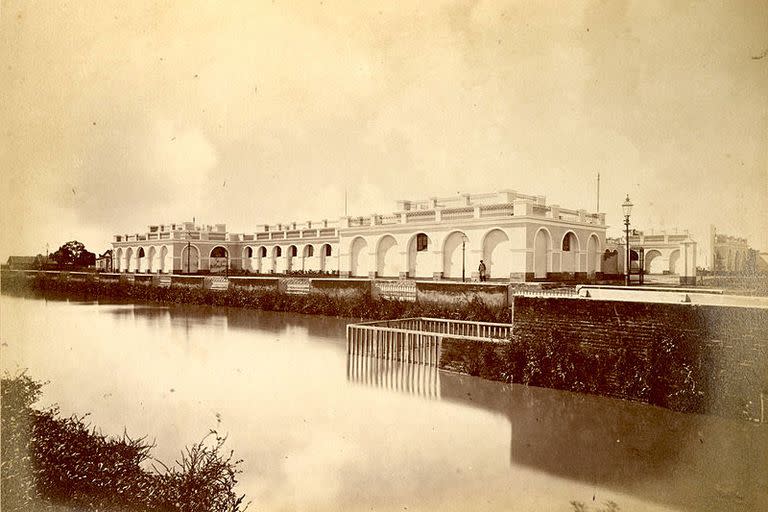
(627, 207)
(189, 250)
(463, 257)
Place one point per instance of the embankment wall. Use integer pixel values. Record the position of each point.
(706, 359)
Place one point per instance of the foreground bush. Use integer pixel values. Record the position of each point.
(49, 461)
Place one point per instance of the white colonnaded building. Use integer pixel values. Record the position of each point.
(519, 237)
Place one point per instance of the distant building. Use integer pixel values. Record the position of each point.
(104, 261)
(23, 262)
(658, 253)
(729, 253)
(519, 237)
(761, 262)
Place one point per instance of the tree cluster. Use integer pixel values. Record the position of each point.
(74, 254)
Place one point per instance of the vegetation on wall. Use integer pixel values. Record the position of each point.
(675, 375)
(357, 304)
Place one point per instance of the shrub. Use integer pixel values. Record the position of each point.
(48, 460)
(356, 305)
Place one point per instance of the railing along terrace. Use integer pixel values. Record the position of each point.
(389, 219)
(450, 327)
(497, 210)
(393, 344)
(355, 222)
(556, 292)
(418, 340)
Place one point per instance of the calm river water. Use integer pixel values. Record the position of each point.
(320, 432)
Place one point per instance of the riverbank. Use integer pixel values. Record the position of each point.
(54, 463)
(353, 303)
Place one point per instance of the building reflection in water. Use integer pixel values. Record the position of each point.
(690, 462)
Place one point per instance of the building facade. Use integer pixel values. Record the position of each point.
(729, 253)
(657, 253)
(519, 237)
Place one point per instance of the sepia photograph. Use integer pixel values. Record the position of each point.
(339, 255)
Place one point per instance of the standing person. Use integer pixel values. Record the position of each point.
(481, 269)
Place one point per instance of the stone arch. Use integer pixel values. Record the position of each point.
(164, 264)
(218, 259)
(219, 252)
(542, 253)
(129, 260)
(119, 259)
(654, 263)
(496, 254)
(276, 260)
(151, 259)
(262, 260)
(325, 252)
(454, 258)
(593, 255)
(309, 258)
(141, 260)
(674, 258)
(358, 257)
(387, 257)
(247, 258)
(419, 256)
(570, 249)
(738, 262)
(290, 258)
(190, 259)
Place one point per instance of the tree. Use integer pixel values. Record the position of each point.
(74, 254)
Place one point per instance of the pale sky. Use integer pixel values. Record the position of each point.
(115, 115)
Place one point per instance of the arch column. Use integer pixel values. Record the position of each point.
(404, 270)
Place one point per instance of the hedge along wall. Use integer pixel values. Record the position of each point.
(341, 287)
(705, 359)
(255, 283)
(452, 293)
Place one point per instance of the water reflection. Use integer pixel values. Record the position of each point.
(416, 379)
(632, 448)
(321, 431)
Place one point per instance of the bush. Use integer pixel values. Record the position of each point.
(358, 305)
(674, 375)
(49, 461)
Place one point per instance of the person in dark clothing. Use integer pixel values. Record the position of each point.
(481, 269)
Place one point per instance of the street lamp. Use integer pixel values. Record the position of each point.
(627, 207)
(463, 257)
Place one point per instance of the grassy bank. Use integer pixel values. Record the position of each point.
(55, 463)
(359, 305)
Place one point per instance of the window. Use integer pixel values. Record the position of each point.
(248, 252)
(141, 252)
(327, 250)
(292, 251)
(567, 242)
(278, 252)
(219, 252)
(310, 251)
(421, 242)
(263, 252)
